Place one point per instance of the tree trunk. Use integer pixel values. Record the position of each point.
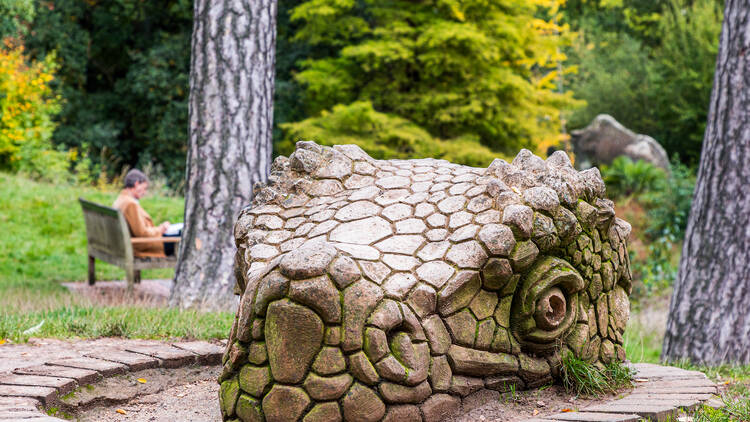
(709, 318)
(231, 113)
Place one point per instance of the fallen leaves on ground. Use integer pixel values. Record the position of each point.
(120, 411)
(142, 380)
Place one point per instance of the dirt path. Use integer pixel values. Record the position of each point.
(193, 401)
(523, 405)
(148, 293)
(197, 401)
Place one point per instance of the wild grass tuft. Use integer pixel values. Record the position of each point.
(736, 407)
(586, 379)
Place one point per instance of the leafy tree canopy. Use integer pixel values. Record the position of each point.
(123, 76)
(476, 72)
(13, 14)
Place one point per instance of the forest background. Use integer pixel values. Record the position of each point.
(89, 89)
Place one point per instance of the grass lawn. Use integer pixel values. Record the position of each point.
(43, 243)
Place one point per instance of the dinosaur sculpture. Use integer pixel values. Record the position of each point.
(391, 289)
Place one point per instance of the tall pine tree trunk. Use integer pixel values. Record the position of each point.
(231, 113)
(709, 317)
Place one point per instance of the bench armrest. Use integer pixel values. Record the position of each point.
(136, 240)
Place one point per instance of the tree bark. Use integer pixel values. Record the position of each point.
(709, 318)
(230, 118)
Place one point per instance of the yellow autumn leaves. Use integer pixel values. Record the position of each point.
(27, 101)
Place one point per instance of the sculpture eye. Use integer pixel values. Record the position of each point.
(545, 305)
(550, 309)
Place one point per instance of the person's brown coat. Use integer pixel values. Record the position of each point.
(140, 225)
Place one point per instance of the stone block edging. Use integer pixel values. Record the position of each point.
(660, 394)
(27, 391)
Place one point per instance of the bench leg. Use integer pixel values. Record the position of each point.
(92, 270)
(130, 276)
(137, 277)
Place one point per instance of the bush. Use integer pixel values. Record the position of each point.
(472, 72)
(13, 15)
(667, 201)
(27, 108)
(669, 206)
(383, 136)
(625, 177)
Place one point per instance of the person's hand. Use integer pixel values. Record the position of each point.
(164, 226)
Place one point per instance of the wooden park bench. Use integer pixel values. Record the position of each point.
(109, 240)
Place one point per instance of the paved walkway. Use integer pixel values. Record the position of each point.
(36, 374)
(660, 394)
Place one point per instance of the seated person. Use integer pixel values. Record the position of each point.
(139, 222)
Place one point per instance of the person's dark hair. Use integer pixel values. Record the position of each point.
(134, 176)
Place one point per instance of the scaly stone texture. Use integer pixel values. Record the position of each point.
(377, 289)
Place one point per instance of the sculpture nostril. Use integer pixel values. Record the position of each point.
(550, 309)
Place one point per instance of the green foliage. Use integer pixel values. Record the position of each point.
(287, 95)
(667, 200)
(383, 136)
(583, 378)
(625, 177)
(669, 206)
(13, 15)
(736, 408)
(28, 106)
(658, 271)
(649, 65)
(455, 71)
(614, 77)
(124, 77)
(636, 18)
(685, 62)
(736, 398)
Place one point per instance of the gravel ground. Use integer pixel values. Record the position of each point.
(196, 401)
(523, 405)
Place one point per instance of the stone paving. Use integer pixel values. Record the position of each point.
(34, 376)
(662, 393)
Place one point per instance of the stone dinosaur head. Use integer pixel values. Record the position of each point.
(391, 290)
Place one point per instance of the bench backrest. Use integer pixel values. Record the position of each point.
(107, 232)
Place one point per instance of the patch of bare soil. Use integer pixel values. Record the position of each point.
(510, 407)
(147, 293)
(168, 395)
(198, 401)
